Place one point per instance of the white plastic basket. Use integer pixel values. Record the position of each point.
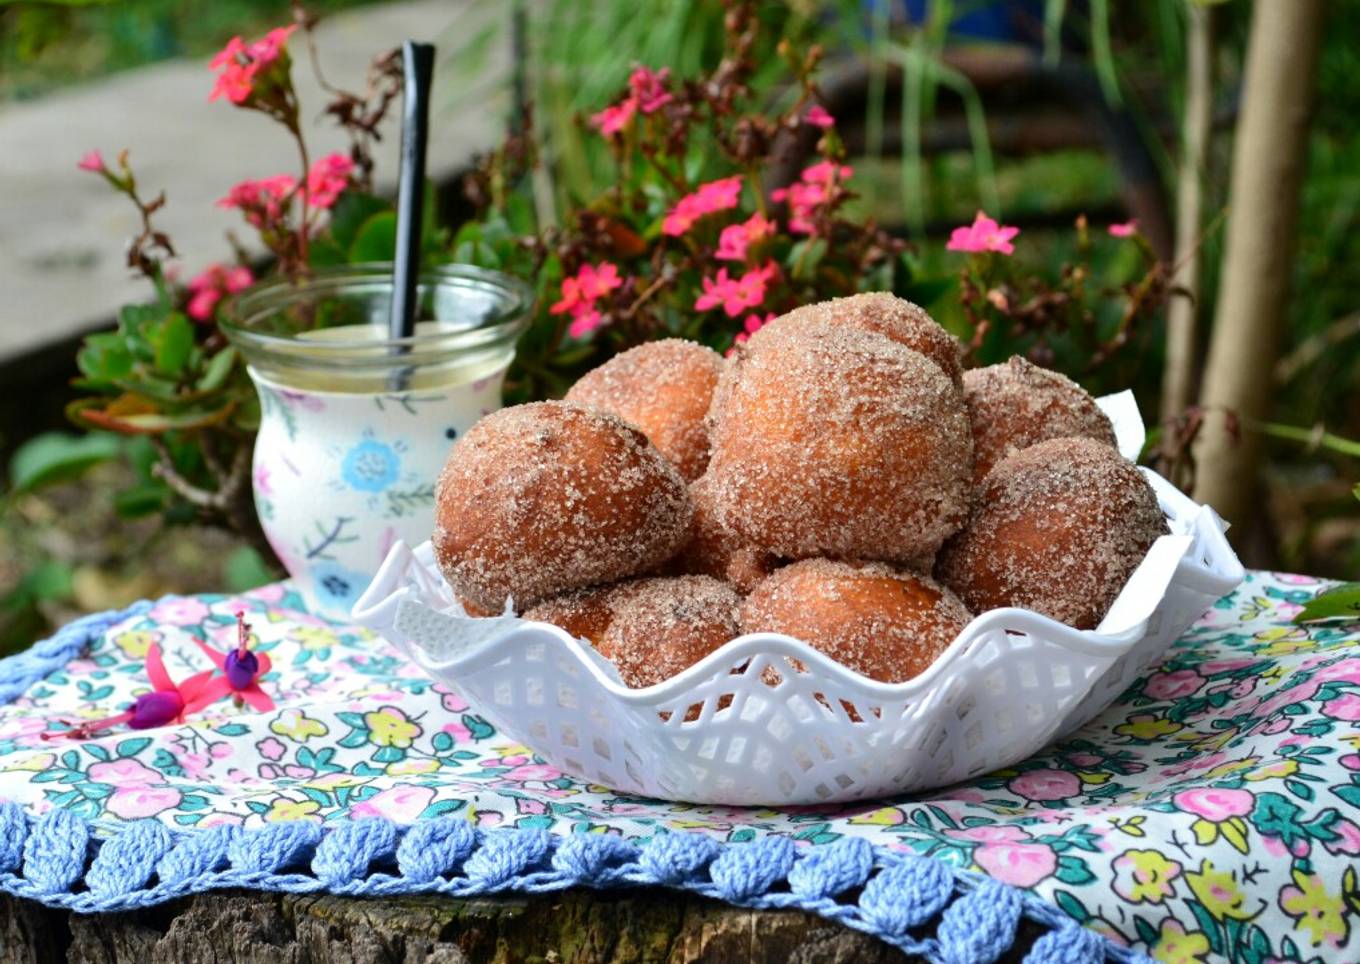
(745, 726)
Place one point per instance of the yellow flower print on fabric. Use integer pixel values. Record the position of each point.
(135, 643)
(389, 726)
(283, 809)
(1148, 727)
(1219, 893)
(409, 767)
(1145, 876)
(1319, 912)
(1274, 770)
(1283, 641)
(1175, 946)
(297, 726)
(314, 639)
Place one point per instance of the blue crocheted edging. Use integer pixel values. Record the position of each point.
(921, 906)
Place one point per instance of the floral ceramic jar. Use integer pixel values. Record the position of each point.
(355, 426)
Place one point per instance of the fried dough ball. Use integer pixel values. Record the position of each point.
(881, 311)
(833, 441)
(713, 550)
(651, 629)
(1016, 404)
(886, 623)
(664, 388)
(538, 499)
(1058, 528)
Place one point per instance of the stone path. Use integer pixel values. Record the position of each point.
(63, 232)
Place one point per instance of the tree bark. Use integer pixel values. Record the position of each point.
(1178, 379)
(1267, 169)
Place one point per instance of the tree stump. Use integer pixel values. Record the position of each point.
(573, 927)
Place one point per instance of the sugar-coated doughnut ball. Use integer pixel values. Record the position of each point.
(829, 440)
(714, 550)
(883, 312)
(538, 499)
(1016, 404)
(883, 622)
(664, 388)
(651, 629)
(1058, 528)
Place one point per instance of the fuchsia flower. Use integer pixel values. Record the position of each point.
(752, 325)
(810, 193)
(328, 178)
(736, 238)
(648, 88)
(240, 64)
(1126, 230)
(261, 202)
(818, 116)
(719, 195)
(983, 234)
(212, 284)
(91, 161)
(615, 117)
(241, 671)
(735, 295)
(579, 294)
(167, 702)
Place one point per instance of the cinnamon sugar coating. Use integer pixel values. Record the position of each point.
(651, 629)
(1015, 404)
(831, 440)
(664, 388)
(887, 623)
(883, 312)
(716, 551)
(541, 498)
(1058, 528)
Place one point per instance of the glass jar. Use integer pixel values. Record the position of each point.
(355, 425)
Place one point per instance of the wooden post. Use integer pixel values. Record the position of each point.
(1267, 170)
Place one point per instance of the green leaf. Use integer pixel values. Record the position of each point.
(1073, 870)
(219, 368)
(244, 569)
(376, 240)
(104, 356)
(50, 580)
(1336, 603)
(351, 210)
(142, 500)
(127, 748)
(174, 344)
(804, 257)
(56, 456)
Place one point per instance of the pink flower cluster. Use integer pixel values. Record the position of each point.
(719, 195)
(580, 294)
(983, 234)
(213, 284)
(752, 325)
(810, 193)
(736, 295)
(266, 200)
(240, 64)
(647, 93)
(736, 239)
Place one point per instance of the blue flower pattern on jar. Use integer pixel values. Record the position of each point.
(371, 466)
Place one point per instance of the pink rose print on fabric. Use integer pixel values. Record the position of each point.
(134, 803)
(1344, 707)
(179, 611)
(1045, 785)
(1021, 864)
(123, 773)
(1173, 686)
(400, 804)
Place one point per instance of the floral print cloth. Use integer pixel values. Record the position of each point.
(1213, 813)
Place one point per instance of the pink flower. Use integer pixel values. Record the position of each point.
(1172, 686)
(401, 804)
(134, 803)
(735, 295)
(1126, 230)
(1214, 804)
(584, 322)
(1000, 833)
(818, 116)
(267, 49)
(1344, 707)
(581, 291)
(809, 195)
(1020, 864)
(1045, 785)
(1344, 671)
(262, 201)
(1084, 760)
(648, 88)
(532, 773)
(736, 238)
(615, 118)
(270, 748)
(983, 234)
(123, 773)
(752, 325)
(208, 288)
(1348, 838)
(240, 64)
(327, 179)
(91, 161)
(719, 195)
